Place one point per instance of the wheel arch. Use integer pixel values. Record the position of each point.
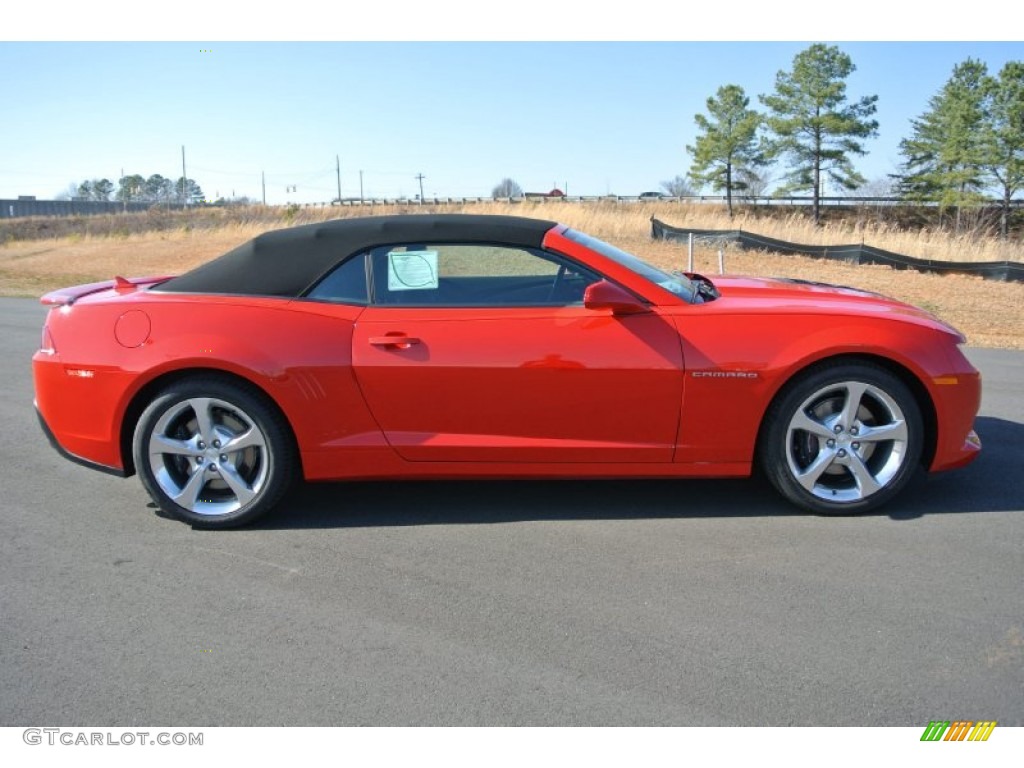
(144, 396)
(923, 398)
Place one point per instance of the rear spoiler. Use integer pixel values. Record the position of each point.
(67, 296)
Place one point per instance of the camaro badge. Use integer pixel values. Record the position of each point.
(724, 375)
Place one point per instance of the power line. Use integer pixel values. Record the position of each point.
(291, 174)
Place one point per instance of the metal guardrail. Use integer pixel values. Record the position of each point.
(15, 209)
(10, 209)
(766, 200)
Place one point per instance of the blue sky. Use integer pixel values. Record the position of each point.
(597, 117)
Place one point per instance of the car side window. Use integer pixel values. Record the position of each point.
(475, 275)
(345, 284)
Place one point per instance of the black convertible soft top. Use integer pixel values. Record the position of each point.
(286, 262)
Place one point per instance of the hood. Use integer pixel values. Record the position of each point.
(780, 294)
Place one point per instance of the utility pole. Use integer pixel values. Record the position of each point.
(337, 160)
(124, 197)
(263, 179)
(420, 177)
(360, 187)
(184, 177)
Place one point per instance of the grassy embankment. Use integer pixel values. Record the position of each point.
(990, 313)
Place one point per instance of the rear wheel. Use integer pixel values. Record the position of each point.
(213, 453)
(843, 439)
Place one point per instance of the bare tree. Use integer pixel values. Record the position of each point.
(68, 193)
(883, 186)
(678, 187)
(757, 182)
(507, 188)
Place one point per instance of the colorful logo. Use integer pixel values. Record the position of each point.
(958, 730)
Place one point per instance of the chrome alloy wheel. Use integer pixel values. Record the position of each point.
(846, 442)
(208, 456)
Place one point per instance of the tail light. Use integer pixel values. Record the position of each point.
(46, 344)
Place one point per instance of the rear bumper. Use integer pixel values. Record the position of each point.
(78, 409)
(72, 457)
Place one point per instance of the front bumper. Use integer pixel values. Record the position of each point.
(957, 402)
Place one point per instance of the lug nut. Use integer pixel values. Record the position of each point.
(216, 443)
(853, 430)
(223, 457)
(838, 428)
(202, 445)
(842, 452)
(856, 446)
(199, 459)
(830, 443)
(213, 467)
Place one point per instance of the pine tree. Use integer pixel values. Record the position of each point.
(813, 124)
(1005, 136)
(727, 148)
(945, 157)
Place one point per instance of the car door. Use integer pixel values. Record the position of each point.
(480, 353)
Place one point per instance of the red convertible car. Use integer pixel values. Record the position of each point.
(451, 346)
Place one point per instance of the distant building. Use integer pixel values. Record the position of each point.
(556, 192)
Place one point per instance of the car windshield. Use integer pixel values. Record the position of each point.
(676, 283)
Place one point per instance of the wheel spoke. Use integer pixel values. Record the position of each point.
(866, 482)
(897, 430)
(188, 496)
(241, 489)
(162, 444)
(248, 439)
(804, 422)
(808, 478)
(202, 407)
(854, 393)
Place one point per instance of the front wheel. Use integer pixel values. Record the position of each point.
(213, 453)
(842, 439)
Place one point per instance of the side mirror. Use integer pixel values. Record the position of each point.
(605, 295)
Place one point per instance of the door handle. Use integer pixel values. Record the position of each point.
(398, 340)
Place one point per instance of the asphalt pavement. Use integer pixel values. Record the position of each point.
(509, 603)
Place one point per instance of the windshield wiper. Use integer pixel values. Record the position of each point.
(703, 289)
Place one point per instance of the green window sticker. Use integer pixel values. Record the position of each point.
(412, 270)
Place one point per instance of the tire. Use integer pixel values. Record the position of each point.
(213, 453)
(821, 463)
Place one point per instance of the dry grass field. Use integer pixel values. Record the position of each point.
(990, 313)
